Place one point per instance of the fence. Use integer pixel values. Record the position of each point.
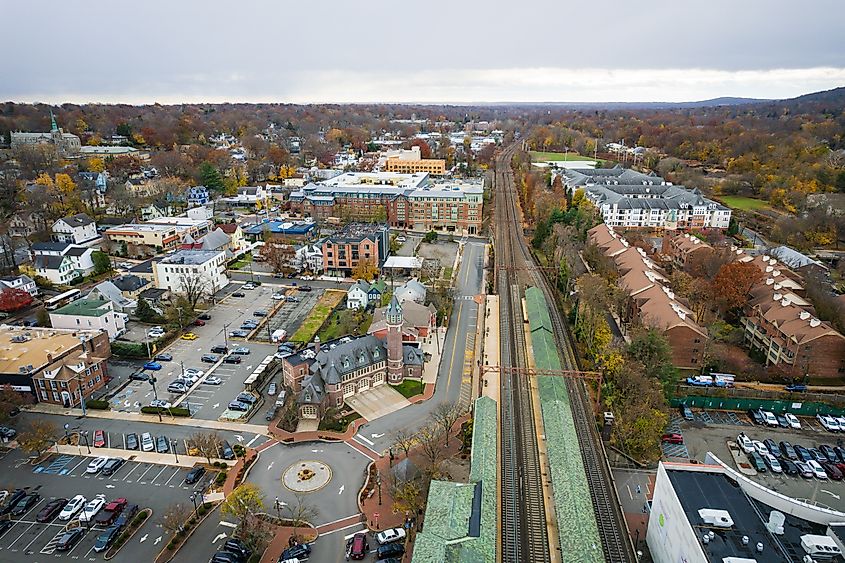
(795, 406)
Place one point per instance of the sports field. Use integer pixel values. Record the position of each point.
(538, 156)
(743, 203)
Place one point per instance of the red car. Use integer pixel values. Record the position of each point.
(99, 438)
(358, 546)
(673, 438)
(199, 322)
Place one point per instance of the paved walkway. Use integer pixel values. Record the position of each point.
(377, 402)
(490, 379)
(435, 348)
(152, 418)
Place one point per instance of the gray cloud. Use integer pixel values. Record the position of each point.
(321, 50)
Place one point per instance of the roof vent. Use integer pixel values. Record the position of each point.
(760, 547)
(815, 322)
(777, 296)
(776, 273)
(778, 286)
(775, 523)
(770, 281)
(785, 303)
(804, 315)
(769, 269)
(716, 517)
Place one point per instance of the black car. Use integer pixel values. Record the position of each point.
(126, 515)
(803, 453)
(209, 358)
(204, 317)
(840, 452)
(390, 550)
(140, 376)
(106, 538)
(70, 538)
(300, 551)
(238, 294)
(756, 416)
(305, 288)
(757, 462)
(227, 451)
(13, 499)
(194, 475)
(686, 412)
(789, 467)
(233, 359)
(112, 465)
(51, 510)
(239, 406)
(237, 546)
(24, 504)
(131, 441)
(773, 448)
(226, 557)
(782, 422)
(162, 445)
(259, 313)
(163, 357)
(238, 333)
(5, 525)
(787, 451)
(829, 453)
(219, 349)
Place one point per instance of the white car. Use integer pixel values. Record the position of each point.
(840, 420)
(278, 296)
(96, 464)
(817, 469)
(761, 448)
(390, 536)
(147, 443)
(212, 380)
(770, 418)
(828, 422)
(92, 508)
(773, 464)
(190, 377)
(271, 390)
(792, 420)
(161, 403)
(73, 506)
(744, 442)
(194, 372)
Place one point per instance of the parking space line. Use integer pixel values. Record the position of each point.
(75, 466)
(47, 527)
(20, 536)
(143, 474)
(172, 476)
(136, 466)
(153, 480)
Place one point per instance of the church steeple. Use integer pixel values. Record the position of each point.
(53, 126)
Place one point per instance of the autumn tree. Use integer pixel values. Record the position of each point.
(279, 256)
(430, 438)
(9, 400)
(365, 270)
(651, 349)
(734, 282)
(14, 299)
(425, 149)
(208, 444)
(640, 411)
(408, 495)
(404, 440)
(246, 499)
(38, 438)
(179, 313)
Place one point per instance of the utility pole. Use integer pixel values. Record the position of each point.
(225, 338)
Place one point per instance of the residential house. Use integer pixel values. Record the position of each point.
(75, 229)
(46, 362)
(325, 375)
(237, 241)
(130, 285)
(376, 292)
(62, 262)
(197, 195)
(215, 240)
(94, 312)
(411, 290)
(21, 282)
(309, 257)
(356, 295)
(109, 291)
(157, 211)
(25, 224)
(195, 271)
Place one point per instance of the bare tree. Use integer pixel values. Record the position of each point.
(195, 287)
(445, 415)
(174, 517)
(39, 437)
(300, 513)
(208, 444)
(430, 438)
(404, 440)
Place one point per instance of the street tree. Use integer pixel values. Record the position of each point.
(299, 513)
(734, 281)
(208, 444)
(404, 439)
(174, 517)
(445, 415)
(365, 270)
(40, 436)
(430, 438)
(195, 287)
(245, 499)
(179, 312)
(407, 494)
(9, 399)
(14, 299)
(102, 262)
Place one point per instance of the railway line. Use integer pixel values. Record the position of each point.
(524, 535)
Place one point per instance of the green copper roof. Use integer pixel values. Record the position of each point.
(85, 308)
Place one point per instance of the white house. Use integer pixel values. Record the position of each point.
(75, 229)
(357, 296)
(61, 262)
(91, 313)
(190, 270)
(109, 291)
(411, 290)
(19, 282)
(309, 257)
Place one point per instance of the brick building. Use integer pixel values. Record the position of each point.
(58, 366)
(325, 374)
(356, 243)
(685, 249)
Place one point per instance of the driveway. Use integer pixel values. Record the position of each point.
(377, 402)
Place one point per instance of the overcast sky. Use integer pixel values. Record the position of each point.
(173, 51)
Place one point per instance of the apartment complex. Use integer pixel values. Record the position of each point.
(356, 243)
(57, 366)
(192, 271)
(95, 312)
(683, 250)
(630, 199)
(405, 201)
(651, 302)
(155, 236)
(410, 161)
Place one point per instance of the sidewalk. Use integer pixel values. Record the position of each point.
(151, 418)
(435, 348)
(133, 455)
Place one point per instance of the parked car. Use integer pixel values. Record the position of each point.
(760, 447)
(772, 447)
(271, 413)
(817, 469)
(238, 294)
(271, 389)
(112, 465)
(305, 288)
(219, 349)
(154, 366)
(673, 438)
(177, 387)
(127, 515)
(147, 444)
(92, 508)
(788, 451)
(259, 313)
(249, 286)
(789, 467)
(744, 442)
(8, 433)
(204, 317)
(96, 464)
(163, 357)
(840, 452)
(99, 439)
(793, 420)
(782, 422)
(817, 455)
(69, 539)
(796, 387)
(212, 380)
(110, 512)
(238, 333)
(226, 451)
(73, 506)
(829, 423)
(249, 325)
(25, 503)
(238, 406)
(106, 538)
(160, 403)
(300, 551)
(199, 322)
(278, 296)
(241, 351)
(232, 359)
(769, 418)
(246, 397)
(773, 463)
(189, 336)
(139, 376)
(829, 453)
(237, 546)
(162, 444)
(194, 475)
(390, 550)
(803, 453)
(757, 462)
(50, 510)
(210, 358)
(832, 471)
(804, 470)
(756, 416)
(226, 557)
(194, 372)
(358, 546)
(390, 536)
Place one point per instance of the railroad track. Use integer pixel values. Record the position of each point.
(524, 533)
(521, 526)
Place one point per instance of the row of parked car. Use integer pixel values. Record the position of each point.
(824, 462)
(768, 418)
(112, 515)
(234, 551)
(391, 546)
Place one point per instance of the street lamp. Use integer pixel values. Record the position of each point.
(194, 500)
(155, 394)
(174, 443)
(147, 341)
(85, 435)
(378, 484)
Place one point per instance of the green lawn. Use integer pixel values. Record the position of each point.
(538, 156)
(343, 322)
(410, 388)
(242, 262)
(321, 311)
(743, 203)
(447, 273)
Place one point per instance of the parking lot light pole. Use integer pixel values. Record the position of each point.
(226, 335)
(155, 394)
(278, 507)
(85, 435)
(147, 341)
(194, 501)
(174, 443)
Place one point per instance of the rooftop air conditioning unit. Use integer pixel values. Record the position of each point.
(820, 546)
(716, 517)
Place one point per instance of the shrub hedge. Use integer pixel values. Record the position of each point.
(174, 411)
(97, 405)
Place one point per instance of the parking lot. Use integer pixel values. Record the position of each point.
(290, 314)
(712, 430)
(63, 476)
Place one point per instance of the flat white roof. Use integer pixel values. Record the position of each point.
(411, 262)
